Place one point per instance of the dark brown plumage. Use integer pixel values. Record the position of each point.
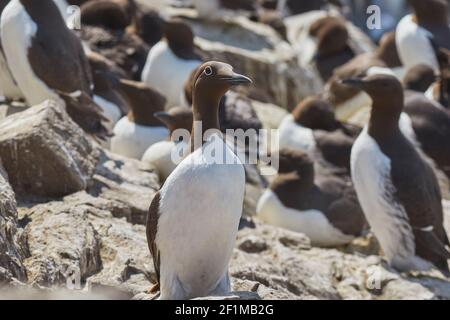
(57, 58)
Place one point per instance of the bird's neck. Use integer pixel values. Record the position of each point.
(205, 112)
(384, 120)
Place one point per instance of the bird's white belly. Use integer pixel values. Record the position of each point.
(110, 111)
(295, 136)
(413, 45)
(167, 73)
(132, 140)
(17, 30)
(371, 175)
(200, 210)
(8, 87)
(312, 223)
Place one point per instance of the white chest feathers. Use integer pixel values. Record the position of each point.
(132, 140)
(295, 136)
(8, 87)
(200, 210)
(313, 223)
(167, 73)
(17, 31)
(371, 175)
(413, 44)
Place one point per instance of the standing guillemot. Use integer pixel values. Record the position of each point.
(137, 131)
(333, 49)
(41, 70)
(171, 61)
(397, 189)
(159, 155)
(8, 86)
(313, 128)
(416, 32)
(191, 259)
(349, 101)
(323, 207)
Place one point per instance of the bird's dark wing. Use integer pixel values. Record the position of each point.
(152, 229)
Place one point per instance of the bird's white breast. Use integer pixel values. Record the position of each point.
(110, 111)
(295, 136)
(167, 73)
(200, 210)
(17, 31)
(312, 223)
(132, 140)
(413, 44)
(371, 175)
(8, 87)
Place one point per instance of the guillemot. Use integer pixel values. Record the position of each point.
(43, 71)
(418, 33)
(323, 207)
(164, 156)
(136, 132)
(313, 128)
(171, 61)
(194, 218)
(397, 189)
(348, 101)
(333, 48)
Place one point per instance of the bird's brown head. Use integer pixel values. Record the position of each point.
(386, 92)
(213, 79)
(176, 118)
(180, 38)
(430, 12)
(315, 113)
(419, 78)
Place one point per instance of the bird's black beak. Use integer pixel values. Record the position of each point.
(354, 82)
(238, 79)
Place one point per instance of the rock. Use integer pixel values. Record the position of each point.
(13, 247)
(63, 244)
(126, 181)
(258, 51)
(127, 264)
(300, 272)
(252, 244)
(45, 153)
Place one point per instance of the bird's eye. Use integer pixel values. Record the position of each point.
(208, 71)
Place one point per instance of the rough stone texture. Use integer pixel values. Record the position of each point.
(62, 242)
(126, 181)
(257, 51)
(45, 153)
(13, 247)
